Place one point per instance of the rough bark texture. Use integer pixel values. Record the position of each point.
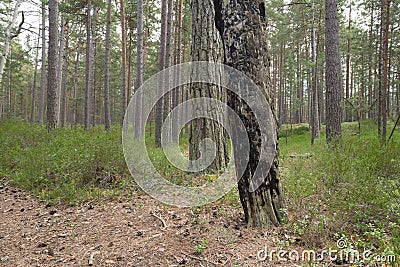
(243, 26)
(52, 82)
(207, 46)
(332, 72)
(107, 115)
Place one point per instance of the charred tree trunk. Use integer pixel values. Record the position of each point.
(243, 27)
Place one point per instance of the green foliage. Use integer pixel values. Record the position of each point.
(351, 190)
(67, 165)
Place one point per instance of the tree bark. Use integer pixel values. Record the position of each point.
(207, 46)
(43, 67)
(139, 123)
(161, 66)
(383, 70)
(52, 81)
(332, 72)
(107, 114)
(89, 66)
(123, 65)
(63, 108)
(315, 133)
(34, 87)
(245, 42)
(60, 67)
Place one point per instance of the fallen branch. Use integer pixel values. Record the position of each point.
(201, 259)
(162, 220)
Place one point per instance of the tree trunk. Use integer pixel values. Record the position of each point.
(383, 69)
(206, 46)
(244, 36)
(52, 82)
(63, 108)
(332, 72)
(123, 65)
(34, 87)
(139, 123)
(60, 66)
(347, 113)
(161, 66)
(89, 66)
(75, 90)
(43, 67)
(315, 133)
(107, 114)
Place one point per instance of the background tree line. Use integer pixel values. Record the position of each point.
(369, 49)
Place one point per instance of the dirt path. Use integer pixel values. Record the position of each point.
(136, 231)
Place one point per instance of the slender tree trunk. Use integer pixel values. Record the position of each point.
(244, 37)
(370, 64)
(123, 65)
(332, 72)
(43, 67)
(383, 67)
(60, 66)
(139, 123)
(89, 65)
(52, 81)
(348, 116)
(75, 90)
(32, 117)
(107, 114)
(161, 66)
(63, 108)
(315, 133)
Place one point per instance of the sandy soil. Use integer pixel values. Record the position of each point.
(129, 231)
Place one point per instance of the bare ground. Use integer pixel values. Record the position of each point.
(129, 231)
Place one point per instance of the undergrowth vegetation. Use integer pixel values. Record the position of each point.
(349, 193)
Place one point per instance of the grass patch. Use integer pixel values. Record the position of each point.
(66, 165)
(351, 192)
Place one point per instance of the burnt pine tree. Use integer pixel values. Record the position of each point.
(332, 73)
(52, 82)
(207, 46)
(243, 24)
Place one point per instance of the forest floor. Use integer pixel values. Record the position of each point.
(128, 231)
(67, 199)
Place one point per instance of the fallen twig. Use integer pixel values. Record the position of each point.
(91, 258)
(162, 220)
(201, 259)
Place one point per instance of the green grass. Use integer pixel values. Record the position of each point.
(65, 166)
(352, 192)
